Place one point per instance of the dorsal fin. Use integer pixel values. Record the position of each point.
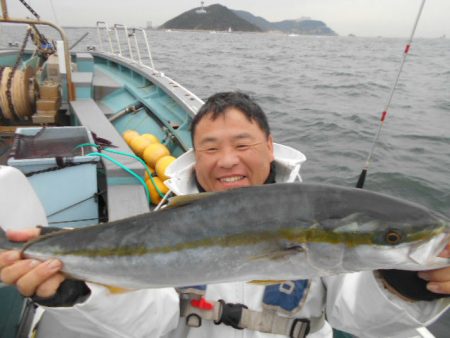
(178, 201)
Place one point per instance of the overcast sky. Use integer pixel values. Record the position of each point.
(393, 18)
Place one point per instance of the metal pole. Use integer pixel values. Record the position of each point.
(137, 47)
(362, 176)
(99, 36)
(4, 9)
(118, 41)
(148, 48)
(108, 32)
(126, 36)
(79, 40)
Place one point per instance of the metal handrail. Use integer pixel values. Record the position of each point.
(149, 53)
(104, 25)
(130, 33)
(127, 37)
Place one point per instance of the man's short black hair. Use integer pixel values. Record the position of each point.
(218, 104)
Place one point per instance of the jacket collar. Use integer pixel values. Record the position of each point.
(182, 180)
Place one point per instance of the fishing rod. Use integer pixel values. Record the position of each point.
(362, 176)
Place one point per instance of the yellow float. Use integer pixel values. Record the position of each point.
(154, 152)
(154, 195)
(161, 166)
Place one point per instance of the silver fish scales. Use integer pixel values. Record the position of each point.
(271, 232)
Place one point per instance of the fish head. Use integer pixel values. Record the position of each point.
(357, 216)
(406, 243)
(416, 231)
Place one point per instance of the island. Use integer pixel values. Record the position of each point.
(220, 18)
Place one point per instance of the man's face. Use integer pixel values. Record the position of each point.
(231, 152)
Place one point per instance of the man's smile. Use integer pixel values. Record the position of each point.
(231, 179)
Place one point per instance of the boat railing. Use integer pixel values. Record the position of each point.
(103, 26)
(127, 37)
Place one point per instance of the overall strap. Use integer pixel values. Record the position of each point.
(240, 317)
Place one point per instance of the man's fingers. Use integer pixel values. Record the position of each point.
(29, 283)
(8, 258)
(50, 286)
(446, 252)
(12, 273)
(23, 235)
(438, 280)
(443, 287)
(438, 275)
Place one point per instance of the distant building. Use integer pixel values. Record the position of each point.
(201, 10)
(304, 18)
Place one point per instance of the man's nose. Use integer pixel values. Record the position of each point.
(228, 158)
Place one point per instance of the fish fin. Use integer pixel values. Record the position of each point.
(187, 199)
(116, 290)
(281, 254)
(6, 244)
(325, 256)
(265, 282)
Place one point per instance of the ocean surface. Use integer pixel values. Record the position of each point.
(324, 96)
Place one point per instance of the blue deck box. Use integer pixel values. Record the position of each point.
(62, 175)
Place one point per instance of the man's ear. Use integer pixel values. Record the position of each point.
(270, 146)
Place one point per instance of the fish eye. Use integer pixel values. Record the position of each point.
(393, 237)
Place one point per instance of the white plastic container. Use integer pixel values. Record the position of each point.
(20, 208)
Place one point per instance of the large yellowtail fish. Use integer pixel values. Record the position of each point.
(271, 232)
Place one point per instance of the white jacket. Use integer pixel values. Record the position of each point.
(356, 303)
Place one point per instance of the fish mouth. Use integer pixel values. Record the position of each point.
(430, 248)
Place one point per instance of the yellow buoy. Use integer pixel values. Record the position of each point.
(154, 195)
(138, 144)
(151, 137)
(161, 166)
(129, 135)
(152, 171)
(154, 152)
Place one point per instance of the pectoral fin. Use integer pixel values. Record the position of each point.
(325, 256)
(266, 282)
(282, 253)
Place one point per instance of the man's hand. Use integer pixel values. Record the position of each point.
(30, 276)
(439, 279)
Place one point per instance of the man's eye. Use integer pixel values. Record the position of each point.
(211, 150)
(243, 146)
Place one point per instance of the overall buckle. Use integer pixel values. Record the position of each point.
(300, 328)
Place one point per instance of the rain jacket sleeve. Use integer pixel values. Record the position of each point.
(142, 313)
(359, 304)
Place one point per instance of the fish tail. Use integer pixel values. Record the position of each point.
(6, 244)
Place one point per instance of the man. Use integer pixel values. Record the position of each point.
(233, 147)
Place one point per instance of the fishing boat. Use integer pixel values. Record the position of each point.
(62, 119)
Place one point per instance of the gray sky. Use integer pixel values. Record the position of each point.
(392, 18)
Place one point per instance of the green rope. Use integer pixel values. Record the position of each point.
(131, 172)
(150, 175)
(160, 193)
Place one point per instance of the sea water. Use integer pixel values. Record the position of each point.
(324, 96)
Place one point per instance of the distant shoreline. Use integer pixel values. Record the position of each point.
(271, 32)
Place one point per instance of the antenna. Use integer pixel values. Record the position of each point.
(201, 10)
